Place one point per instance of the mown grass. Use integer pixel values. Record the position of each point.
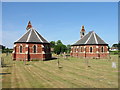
(74, 73)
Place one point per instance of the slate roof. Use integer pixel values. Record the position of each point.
(31, 36)
(90, 39)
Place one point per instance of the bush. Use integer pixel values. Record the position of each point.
(114, 52)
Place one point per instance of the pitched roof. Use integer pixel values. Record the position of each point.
(90, 38)
(31, 36)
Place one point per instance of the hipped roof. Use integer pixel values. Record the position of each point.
(31, 36)
(90, 39)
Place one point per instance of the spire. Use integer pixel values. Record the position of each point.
(82, 32)
(29, 25)
(82, 28)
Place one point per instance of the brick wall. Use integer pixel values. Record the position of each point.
(98, 51)
(42, 52)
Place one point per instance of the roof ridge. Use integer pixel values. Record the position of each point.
(100, 39)
(95, 38)
(29, 36)
(37, 35)
(88, 38)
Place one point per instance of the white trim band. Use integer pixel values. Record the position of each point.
(95, 38)
(88, 38)
(29, 36)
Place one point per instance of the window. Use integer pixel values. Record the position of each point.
(78, 49)
(83, 33)
(20, 49)
(90, 49)
(85, 48)
(81, 49)
(102, 49)
(75, 49)
(34, 48)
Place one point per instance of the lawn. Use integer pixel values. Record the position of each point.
(73, 73)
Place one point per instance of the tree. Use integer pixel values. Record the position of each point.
(119, 46)
(60, 47)
(58, 42)
(57, 49)
(115, 45)
(68, 48)
(52, 44)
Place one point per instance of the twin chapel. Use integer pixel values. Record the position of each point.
(89, 46)
(31, 46)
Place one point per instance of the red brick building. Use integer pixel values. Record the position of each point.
(31, 46)
(89, 46)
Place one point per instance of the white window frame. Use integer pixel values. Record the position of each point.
(90, 49)
(81, 49)
(20, 48)
(103, 49)
(33, 48)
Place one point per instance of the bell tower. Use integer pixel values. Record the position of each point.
(82, 32)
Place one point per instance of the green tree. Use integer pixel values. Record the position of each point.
(52, 44)
(57, 49)
(58, 42)
(115, 45)
(60, 47)
(68, 48)
(63, 48)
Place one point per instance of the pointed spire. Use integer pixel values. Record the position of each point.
(29, 25)
(82, 28)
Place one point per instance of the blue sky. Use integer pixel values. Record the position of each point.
(60, 21)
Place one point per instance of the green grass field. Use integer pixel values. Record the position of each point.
(73, 74)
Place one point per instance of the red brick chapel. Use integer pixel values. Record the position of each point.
(31, 46)
(89, 46)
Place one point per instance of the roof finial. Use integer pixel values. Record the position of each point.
(29, 25)
(82, 26)
(82, 29)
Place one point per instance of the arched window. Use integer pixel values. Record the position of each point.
(102, 49)
(90, 49)
(81, 49)
(34, 49)
(78, 49)
(82, 33)
(75, 49)
(20, 49)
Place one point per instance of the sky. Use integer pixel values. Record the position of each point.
(60, 20)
